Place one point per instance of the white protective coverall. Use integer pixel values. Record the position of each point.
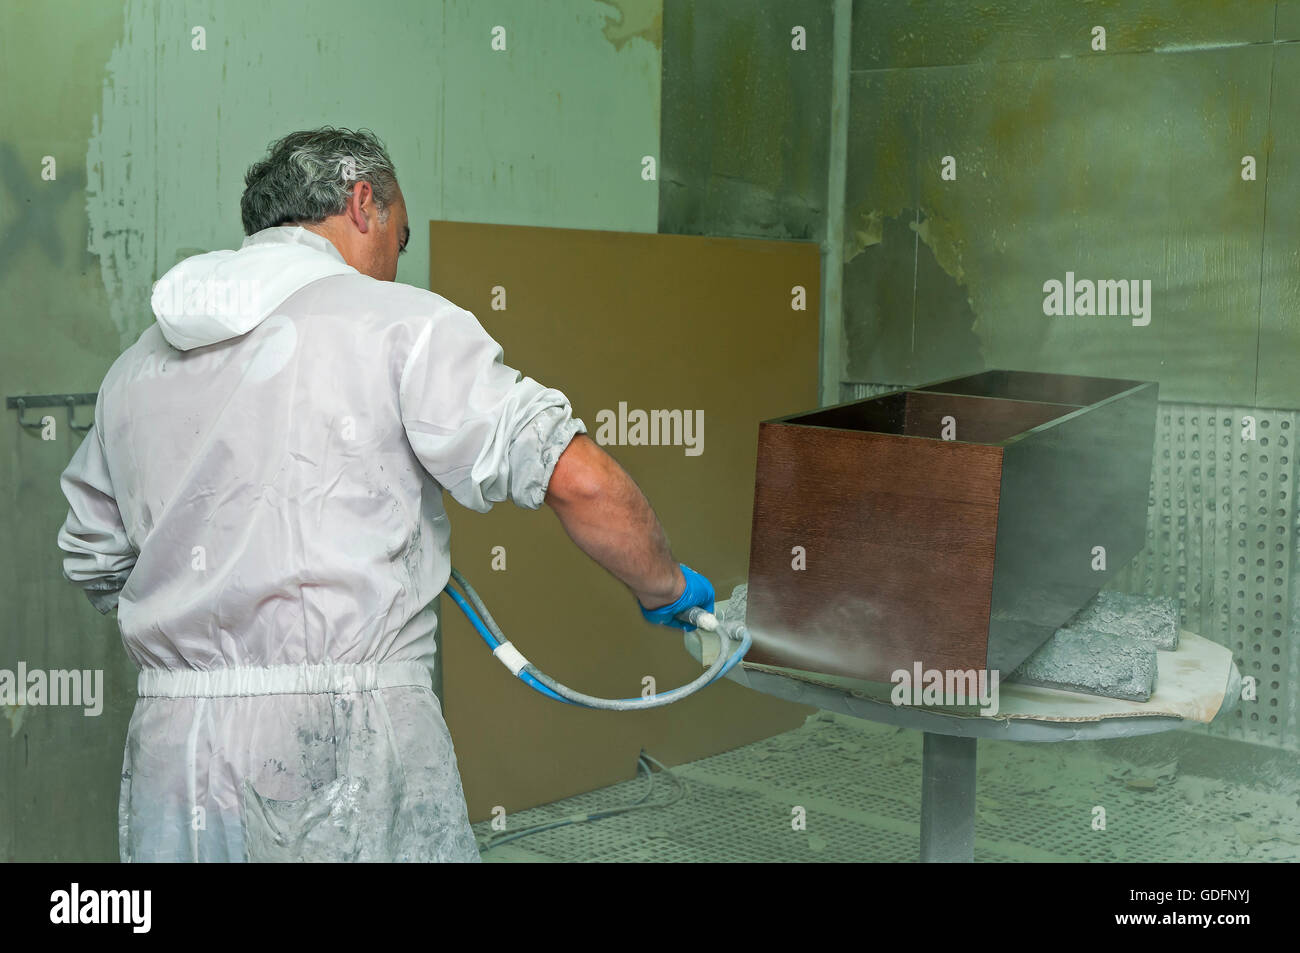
(261, 496)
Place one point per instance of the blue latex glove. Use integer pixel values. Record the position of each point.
(698, 592)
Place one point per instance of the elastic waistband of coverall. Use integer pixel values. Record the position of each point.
(330, 678)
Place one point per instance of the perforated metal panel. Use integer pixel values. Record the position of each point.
(1221, 537)
(1222, 530)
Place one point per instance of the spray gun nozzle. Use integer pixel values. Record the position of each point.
(709, 622)
(699, 618)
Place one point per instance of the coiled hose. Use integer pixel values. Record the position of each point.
(530, 675)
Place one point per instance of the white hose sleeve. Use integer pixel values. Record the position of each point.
(511, 657)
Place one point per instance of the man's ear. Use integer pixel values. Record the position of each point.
(360, 203)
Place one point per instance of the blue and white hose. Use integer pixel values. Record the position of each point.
(530, 675)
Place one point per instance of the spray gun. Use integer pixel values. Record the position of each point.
(481, 619)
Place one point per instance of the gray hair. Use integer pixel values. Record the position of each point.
(308, 176)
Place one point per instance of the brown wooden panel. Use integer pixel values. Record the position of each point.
(899, 536)
(658, 322)
(964, 553)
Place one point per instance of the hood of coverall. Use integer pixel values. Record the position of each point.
(223, 294)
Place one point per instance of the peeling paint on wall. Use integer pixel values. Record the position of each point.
(637, 18)
(941, 238)
(15, 714)
(862, 229)
(932, 327)
(121, 195)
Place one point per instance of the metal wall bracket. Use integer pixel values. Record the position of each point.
(70, 401)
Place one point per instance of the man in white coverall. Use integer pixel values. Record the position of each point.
(261, 499)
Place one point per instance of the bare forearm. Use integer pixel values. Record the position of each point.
(608, 518)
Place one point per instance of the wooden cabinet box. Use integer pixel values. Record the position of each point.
(881, 539)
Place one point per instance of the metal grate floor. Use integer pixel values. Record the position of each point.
(860, 784)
